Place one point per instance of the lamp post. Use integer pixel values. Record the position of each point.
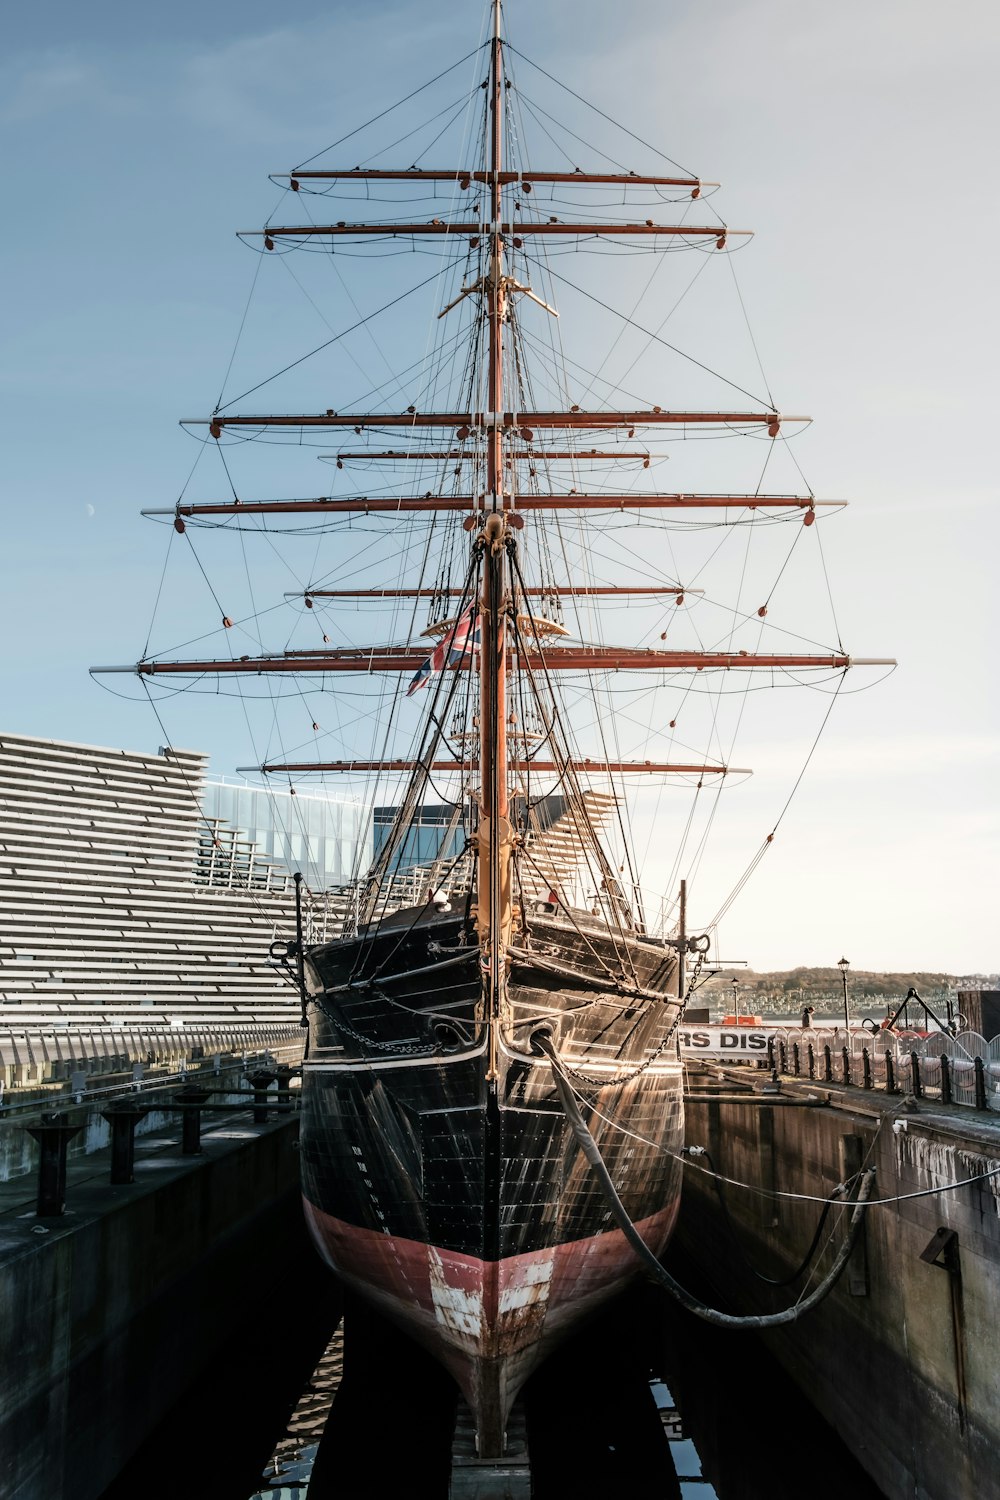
(843, 964)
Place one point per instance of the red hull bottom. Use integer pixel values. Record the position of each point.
(488, 1322)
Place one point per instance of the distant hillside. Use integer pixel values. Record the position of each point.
(783, 989)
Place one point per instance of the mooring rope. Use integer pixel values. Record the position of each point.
(807, 1259)
(659, 1274)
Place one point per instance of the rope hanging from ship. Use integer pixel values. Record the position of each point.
(750, 1322)
(800, 1270)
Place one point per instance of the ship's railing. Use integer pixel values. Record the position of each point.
(962, 1069)
(336, 912)
(329, 914)
(411, 886)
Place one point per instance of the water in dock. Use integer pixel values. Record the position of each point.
(642, 1402)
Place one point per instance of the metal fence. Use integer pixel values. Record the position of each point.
(962, 1069)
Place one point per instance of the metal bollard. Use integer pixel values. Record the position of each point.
(783, 1055)
(261, 1081)
(945, 1079)
(845, 1061)
(866, 1068)
(53, 1136)
(123, 1118)
(828, 1063)
(285, 1074)
(796, 1060)
(916, 1083)
(981, 1100)
(890, 1074)
(193, 1097)
(811, 1056)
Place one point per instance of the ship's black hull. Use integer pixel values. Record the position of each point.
(461, 1204)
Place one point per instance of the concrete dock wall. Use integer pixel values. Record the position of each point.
(108, 1315)
(903, 1358)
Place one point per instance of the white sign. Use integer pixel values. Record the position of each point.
(740, 1043)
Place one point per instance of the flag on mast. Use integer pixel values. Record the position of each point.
(462, 638)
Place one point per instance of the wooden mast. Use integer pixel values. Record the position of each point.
(495, 834)
(505, 439)
(494, 863)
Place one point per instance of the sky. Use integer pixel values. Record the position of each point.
(857, 140)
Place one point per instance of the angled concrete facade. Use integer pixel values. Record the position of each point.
(118, 908)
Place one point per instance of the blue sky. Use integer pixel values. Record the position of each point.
(857, 140)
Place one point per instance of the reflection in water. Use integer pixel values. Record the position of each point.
(755, 1434)
(215, 1440)
(389, 1430)
(593, 1423)
(644, 1401)
(294, 1457)
(683, 1453)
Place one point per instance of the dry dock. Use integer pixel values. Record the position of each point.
(903, 1358)
(109, 1311)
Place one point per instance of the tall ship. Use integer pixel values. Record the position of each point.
(512, 511)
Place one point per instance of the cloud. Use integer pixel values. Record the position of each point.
(894, 41)
(56, 82)
(289, 83)
(242, 89)
(915, 754)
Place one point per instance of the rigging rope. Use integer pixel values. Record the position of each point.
(336, 337)
(806, 1261)
(388, 111)
(655, 337)
(610, 119)
(755, 861)
(660, 1275)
